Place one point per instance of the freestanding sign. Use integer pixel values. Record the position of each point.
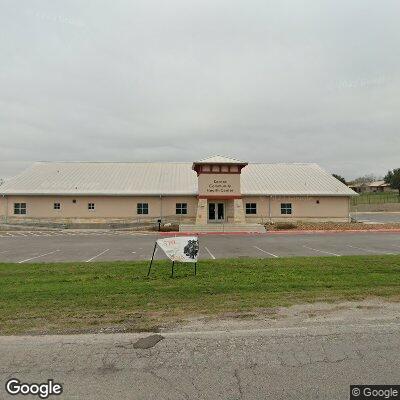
(179, 248)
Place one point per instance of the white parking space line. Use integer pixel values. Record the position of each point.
(97, 255)
(322, 251)
(273, 255)
(6, 251)
(369, 250)
(41, 255)
(66, 233)
(209, 252)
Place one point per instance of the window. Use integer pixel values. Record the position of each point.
(142, 208)
(90, 206)
(19, 208)
(57, 206)
(251, 208)
(181, 208)
(286, 208)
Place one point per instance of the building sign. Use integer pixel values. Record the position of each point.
(219, 184)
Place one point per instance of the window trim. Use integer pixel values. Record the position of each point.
(91, 206)
(20, 207)
(141, 207)
(182, 208)
(286, 208)
(56, 208)
(250, 208)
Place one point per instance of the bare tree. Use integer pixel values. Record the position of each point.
(365, 179)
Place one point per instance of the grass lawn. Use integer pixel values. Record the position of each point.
(79, 297)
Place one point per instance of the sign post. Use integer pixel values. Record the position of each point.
(152, 258)
(180, 249)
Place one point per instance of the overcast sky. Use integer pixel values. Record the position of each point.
(178, 80)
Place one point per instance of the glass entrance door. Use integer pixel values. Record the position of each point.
(216, 212)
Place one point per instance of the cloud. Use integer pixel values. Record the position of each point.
(153, 80)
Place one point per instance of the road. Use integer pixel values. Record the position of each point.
(314, 356)
(30, 247)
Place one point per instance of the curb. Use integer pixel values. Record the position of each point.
(208, 233)
(297, 232)
(290, 232)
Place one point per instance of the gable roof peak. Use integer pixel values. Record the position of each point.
(218, 159)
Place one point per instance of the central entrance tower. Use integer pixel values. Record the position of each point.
(220, 197)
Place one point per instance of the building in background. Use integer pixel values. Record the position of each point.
(210, 191)
(372, 187)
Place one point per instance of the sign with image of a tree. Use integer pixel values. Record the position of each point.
(393, 179)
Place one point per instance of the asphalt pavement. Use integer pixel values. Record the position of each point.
(377, 217)
(87, 246)
(318, 357)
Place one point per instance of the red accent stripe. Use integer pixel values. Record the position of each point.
(299, 232)
(217, 173)
(280, 232)
(207, 233)
(219, 197)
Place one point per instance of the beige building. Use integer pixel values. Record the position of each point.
(372, 187)
(210, 191)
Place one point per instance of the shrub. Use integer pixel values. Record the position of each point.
(285, 225)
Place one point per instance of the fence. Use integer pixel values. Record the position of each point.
(375, 198)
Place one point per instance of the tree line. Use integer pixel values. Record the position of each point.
(392, 178)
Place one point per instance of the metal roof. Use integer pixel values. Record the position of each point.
(291, 179)
(219, 160)
(118, 179)
(378, 183)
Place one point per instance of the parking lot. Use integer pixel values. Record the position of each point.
(87, 246)
(377, 217)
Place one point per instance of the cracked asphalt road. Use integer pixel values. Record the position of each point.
(310, 358)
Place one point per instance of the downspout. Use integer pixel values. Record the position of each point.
(6, 209)
(269, 209)
(348, 208)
